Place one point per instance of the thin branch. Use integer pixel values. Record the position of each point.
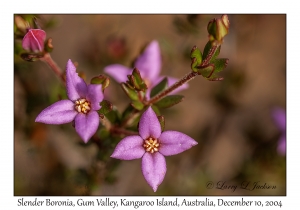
(47, 59)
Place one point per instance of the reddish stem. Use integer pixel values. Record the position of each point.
(47, 59)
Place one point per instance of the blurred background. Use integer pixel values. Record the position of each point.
(232, 120)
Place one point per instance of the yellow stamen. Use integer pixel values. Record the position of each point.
(82, 106)
(151, 145)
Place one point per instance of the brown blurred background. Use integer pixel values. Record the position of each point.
(231, 120)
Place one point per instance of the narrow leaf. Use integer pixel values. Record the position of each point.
(137, 105)
(132, 94)
(161, 120)
(196, 58)
(220, 64)
(207, 71)
(156, 110)
(159, 87)
(137, 80)
(208, 53)
(169, 101)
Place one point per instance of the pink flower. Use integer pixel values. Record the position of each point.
(152, 145)
(149, 65)
(81, 107)
(34, 40)
(279, 117)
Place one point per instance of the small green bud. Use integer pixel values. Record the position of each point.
(101, 79)
(218, 28)
(136, 80)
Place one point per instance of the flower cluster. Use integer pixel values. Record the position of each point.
(141, 122)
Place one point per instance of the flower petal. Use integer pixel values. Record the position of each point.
(76, 86)
(281, 146)
(154, 169)
(279, 117)
(94, 96)
(129, 148)
(118, 72)
(149, 125)
(34, 40)
(174, 142)
(86, 125)
(58, 113)
(149, 62)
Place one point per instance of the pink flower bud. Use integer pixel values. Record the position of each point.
(34, 40)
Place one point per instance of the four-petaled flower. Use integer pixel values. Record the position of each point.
(34, 40)
(149, 65)
(279, 117)
(81, 107)
(152, 145)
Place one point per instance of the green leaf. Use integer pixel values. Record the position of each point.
(132, 94)
(196, 58)
(161, 120)
(106, 107)
(155, 109)
(159, 87)
(207, 52)
(207, 71)
(206, 49)
(169, 101)
(137, 105)
(220, 64)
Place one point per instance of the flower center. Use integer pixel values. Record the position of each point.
(151, 145)
(82, 106)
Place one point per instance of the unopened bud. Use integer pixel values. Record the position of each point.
(218, 28)
(101, 79)
(34, 40)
